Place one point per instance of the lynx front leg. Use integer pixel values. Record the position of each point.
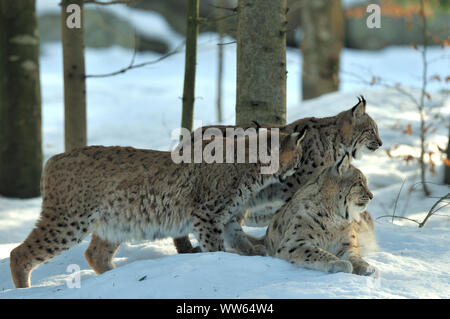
(100, 254)
(309, 256)
(360, 266)
(209, 234)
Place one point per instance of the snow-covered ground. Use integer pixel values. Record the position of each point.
(142, 107)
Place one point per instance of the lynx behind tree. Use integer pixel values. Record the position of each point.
(352, 131)
(120, 194)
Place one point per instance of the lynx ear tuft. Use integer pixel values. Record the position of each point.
(299, 136)
(258, 126)
(360, 108)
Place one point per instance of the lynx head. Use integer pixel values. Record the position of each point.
(358, 130)
(353, 193)
(290, 152)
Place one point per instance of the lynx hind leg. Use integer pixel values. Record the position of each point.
(242, 242)
(311, 257)
(52, 235)
(100, 254)
(184, 246)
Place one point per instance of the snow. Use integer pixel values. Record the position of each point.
(141, 108)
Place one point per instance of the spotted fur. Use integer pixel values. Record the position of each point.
(316, 229)
(352, 131)
(120, 194)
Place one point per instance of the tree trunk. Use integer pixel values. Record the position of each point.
(220, 27)
(74, 79)
(190, 65)
(447, 164)
(261, 62)
(322, 25)
(183, 245)
(20, 100)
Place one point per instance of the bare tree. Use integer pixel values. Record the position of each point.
(261, 62)
(322, 29)
(20, 100)
(183, 244)
(190, 65)
(447, 162)
(220, 30)
(74, 75)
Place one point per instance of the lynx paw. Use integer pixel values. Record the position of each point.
(369, 271)
(340, 266)
(259, 250)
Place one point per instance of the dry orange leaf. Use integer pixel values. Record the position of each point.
(436, 77)
(408, 130)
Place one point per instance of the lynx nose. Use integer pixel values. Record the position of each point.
(370, 194)
(380, 143)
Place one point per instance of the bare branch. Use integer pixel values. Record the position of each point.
(223, 8)
(399, 217)
(126, 2)
(226, 43)
(139, 65)
(396, 200)
(432, 211)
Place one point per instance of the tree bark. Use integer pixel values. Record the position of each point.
(220, 29)
(190, 65)
(447, 165)
(182, 244)
(20, 100)
(261, 62)
(74, 79)
(322, 25)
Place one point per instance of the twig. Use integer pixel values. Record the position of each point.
(139, 65)
(431, 212)
(399, 217)
(396, 200)
(223, 8)
(206, 20)
(226, 43)
(126, 2)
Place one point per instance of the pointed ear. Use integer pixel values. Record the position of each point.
(298, 137)
(360, 108)
(258, 126)
(343, 164)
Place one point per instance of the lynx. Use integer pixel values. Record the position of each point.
(316, 229)
(352, 131)
(120, 194)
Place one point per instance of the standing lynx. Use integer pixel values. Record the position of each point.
(352, 131)
(120, 194)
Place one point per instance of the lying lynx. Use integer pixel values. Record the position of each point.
(328, 139)
(120, 194)
(315, 230)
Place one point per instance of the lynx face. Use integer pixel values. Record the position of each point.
(364, 130)
(354, 194)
